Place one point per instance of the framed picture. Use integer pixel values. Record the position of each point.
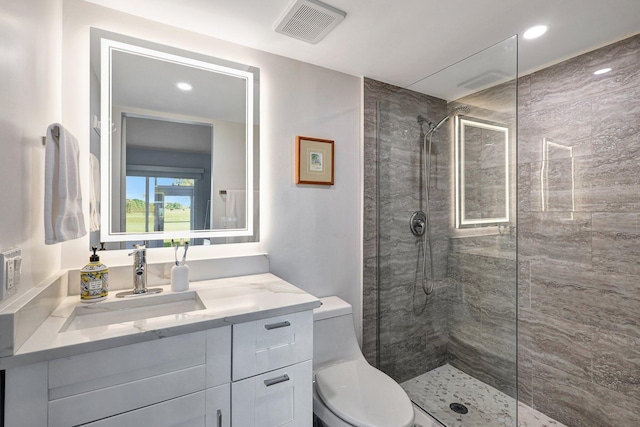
(314, 161)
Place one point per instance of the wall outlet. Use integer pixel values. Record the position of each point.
(10, 271)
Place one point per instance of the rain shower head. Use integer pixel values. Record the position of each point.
(454, 112)
(462, 109)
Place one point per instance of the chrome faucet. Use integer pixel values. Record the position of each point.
(139, 269)
(139, 274)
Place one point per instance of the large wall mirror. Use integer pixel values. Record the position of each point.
(482, 173)
(176, 135)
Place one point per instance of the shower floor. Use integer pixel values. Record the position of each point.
(435, 390)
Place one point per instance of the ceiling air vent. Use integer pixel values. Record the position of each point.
(309, 20)
(484, 79)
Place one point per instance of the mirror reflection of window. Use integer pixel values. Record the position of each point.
(159, 204)
(168, 173)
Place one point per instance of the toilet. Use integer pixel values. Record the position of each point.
(347, 391)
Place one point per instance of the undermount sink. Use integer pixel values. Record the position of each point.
(127, 310)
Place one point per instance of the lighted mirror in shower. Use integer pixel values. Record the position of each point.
(482, 172)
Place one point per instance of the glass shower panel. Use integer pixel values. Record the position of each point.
(447, 290)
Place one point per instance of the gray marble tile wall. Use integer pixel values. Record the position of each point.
(413, 328)
(483, 269)
(469, 319)
(482, 335)
(579, 251)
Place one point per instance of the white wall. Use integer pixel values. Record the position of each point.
(312, 234)
(30, 46)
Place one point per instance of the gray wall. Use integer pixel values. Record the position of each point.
(413, 329)
(482, 269)
(470, 318)
(179, 159)
(579, 272)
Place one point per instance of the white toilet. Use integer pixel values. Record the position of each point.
(347, 391)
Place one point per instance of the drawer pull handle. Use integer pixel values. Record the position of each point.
(277, 380)
(219, 418)
(277, 325)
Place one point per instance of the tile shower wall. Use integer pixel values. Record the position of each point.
(413, 329)
(482, 337)
(470, 318)
(579, 238)
(482, 269)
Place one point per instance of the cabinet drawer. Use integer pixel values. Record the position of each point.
(268, 344)
(98, 404)
(92, 371)
(278, 398)
(186, 411)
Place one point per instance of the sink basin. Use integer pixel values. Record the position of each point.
(135, 308)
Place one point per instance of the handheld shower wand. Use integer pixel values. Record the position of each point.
(420, 222)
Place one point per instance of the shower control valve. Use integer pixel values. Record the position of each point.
(417, 223)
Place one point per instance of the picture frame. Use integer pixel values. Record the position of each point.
(314, 161)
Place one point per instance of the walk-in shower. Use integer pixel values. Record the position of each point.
(444, 299)
(556, 268)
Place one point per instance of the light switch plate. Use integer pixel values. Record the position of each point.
(10, 269)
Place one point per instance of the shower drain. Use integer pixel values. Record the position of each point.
(458, 408)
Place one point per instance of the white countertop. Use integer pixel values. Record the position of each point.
(226, 301)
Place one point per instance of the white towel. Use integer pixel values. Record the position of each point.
(236, 206)
(94, 193)
(63, 218)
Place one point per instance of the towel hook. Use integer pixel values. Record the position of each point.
(56, 135)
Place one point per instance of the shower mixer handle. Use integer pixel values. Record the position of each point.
(417, 223)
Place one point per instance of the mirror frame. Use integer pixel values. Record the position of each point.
(107, 47)
(462, 221)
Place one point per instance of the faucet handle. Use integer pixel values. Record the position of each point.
(138, 249)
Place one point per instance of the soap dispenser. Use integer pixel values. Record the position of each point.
(94, 279)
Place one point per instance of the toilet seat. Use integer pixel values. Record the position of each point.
(363, 396)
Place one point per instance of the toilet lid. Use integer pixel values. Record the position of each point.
(363, 396)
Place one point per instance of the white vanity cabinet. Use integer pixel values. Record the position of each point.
(176, 381)
(256, 373)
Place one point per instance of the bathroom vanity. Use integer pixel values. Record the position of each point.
(234, 351)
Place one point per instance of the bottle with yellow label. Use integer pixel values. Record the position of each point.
(94, 280)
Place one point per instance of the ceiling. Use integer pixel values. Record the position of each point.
(403, 41)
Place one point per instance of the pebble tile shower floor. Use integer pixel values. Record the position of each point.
(435, 390)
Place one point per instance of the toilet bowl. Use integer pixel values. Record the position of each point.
(347, 391)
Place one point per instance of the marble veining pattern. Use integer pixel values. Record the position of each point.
(434, 391)
(579, 327)
(409, 327)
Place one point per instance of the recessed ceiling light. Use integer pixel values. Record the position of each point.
(602, 71)
(184, 86)
(535, 32)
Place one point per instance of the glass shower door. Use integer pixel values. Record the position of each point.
(446, 287)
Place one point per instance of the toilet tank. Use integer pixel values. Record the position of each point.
(334, 335)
